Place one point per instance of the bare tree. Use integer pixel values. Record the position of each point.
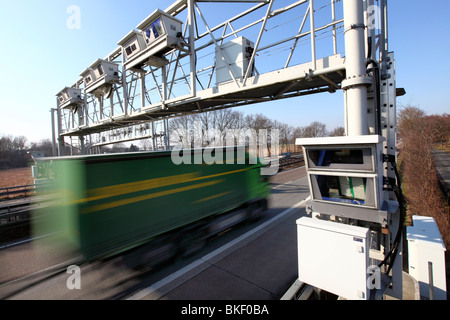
(181, 130)
(440, 125)
(409, 118)
(118, 147)
(298, 133)
(215, 125)
(44, 145)
(19, 143)
(315, 129)
(259, 127)
(257, 122)
(286, 136)
(6, 143)
(339, 131)
(146, 144)
(207, 128)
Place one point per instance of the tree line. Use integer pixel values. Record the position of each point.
(225, 121)
(15, 151)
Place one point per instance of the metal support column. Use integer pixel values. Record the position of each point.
(52, 110)
(191, 19)
(313, 34)
(125, 89)
(60, 137)
(166, 134)
(142, 78)
(356, 81)
(82, 145)
(153, 136)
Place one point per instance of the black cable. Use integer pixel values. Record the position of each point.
(401, 200)
(376, 75)
(402, 207)
(397, 189)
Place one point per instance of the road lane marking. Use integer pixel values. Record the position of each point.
(163, 282)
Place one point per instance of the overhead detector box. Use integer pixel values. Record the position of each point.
(100, 75)
(158, 34)
(133, 43)
(160, 25)
(69, 98)
(237, 54)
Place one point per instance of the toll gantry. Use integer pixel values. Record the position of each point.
(181, 61)
(201, 55)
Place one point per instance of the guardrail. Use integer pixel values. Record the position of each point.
(291, 161)
(15, 216)
(8, 191)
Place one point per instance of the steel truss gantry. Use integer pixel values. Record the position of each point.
(295, 53)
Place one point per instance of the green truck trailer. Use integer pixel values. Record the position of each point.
(105, 204)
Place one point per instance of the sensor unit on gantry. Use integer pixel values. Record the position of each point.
(132, 45)
(158, 34)
(100, 76)
(69, 98)
(346, 177)
(232, 60)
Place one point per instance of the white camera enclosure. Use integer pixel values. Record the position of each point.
(158, 34)
(159, 25)
(132, 45)
(69, 97)
(100, 73)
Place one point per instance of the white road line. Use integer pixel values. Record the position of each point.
(161, 283)
(281, 185)
(23, 241)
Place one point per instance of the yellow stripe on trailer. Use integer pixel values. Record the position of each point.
(212, 197)
(131, 187)
(124, 188)
(123, 202)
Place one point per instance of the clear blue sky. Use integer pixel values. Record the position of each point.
(40, 55)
